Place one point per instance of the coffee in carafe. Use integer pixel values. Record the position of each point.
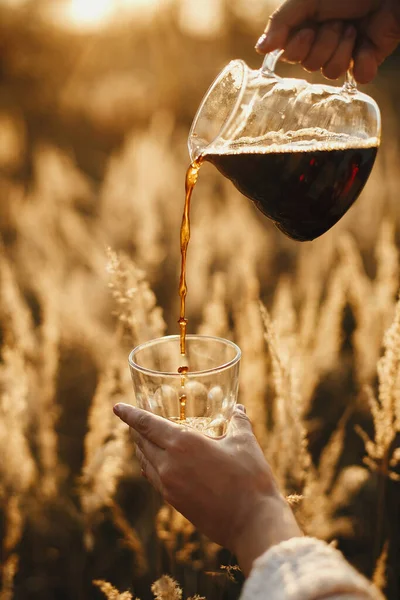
(305, 191)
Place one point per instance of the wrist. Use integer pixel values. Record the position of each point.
(270, 522)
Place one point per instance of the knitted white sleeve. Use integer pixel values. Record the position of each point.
(306, 569)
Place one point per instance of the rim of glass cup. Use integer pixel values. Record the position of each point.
(169, 338)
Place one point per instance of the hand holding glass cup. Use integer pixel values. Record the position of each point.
(203, 398)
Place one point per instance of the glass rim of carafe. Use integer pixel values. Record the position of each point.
(173, 374)
(349, 89)
(206, 96)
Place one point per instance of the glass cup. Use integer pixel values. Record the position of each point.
(203, 398)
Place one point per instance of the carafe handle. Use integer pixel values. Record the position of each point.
(350, 85)
(271, 59)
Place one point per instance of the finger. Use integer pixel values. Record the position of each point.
(383, 31)
(324, 47)
(299, 46)
(156, 429)
(148, 471)
(365, 63)
(154, 454)
(293, 13)
(241, 408)
(239, 423)
(342, 58)
(288, 16)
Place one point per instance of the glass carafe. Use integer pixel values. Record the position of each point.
(301, 152)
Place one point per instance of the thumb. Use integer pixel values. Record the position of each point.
(240, 422)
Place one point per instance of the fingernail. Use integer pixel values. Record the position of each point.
(117, 410)
(270, 40)
(241, 408)
(261, 41)
(349, 32)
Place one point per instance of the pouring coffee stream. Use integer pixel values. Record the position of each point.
(190, 182)
(301, 152)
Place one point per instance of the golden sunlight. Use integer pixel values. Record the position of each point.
(140, 3)
(90, 12)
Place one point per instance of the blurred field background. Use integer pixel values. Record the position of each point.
(96, 101)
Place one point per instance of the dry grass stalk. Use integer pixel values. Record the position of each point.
(110, 592)
(328, 336)
(372, 301)
(215, 318)
(108, 447)
(15, 318)
(386, 409)
(317, 511)
(288, 453)
(230, 571)
(249, 335)
(139, 202)
(139, 317)
(51, 229)
(181, 539)
(12, 141)
(9, 570)
(348, 484)
(395, 460)
(131, 539)
(386, 282)
(111, 389)
(18, 469)
(297, 355)
(309, 311)
(100, 479)
(49, 340)
(311, 343)
(379, 577)
(14, 523)
(330, 456)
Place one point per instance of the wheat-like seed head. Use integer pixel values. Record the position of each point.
(166, 588)
(138, 315)
(110, 592)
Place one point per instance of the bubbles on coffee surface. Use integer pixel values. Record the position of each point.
(302, 140)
